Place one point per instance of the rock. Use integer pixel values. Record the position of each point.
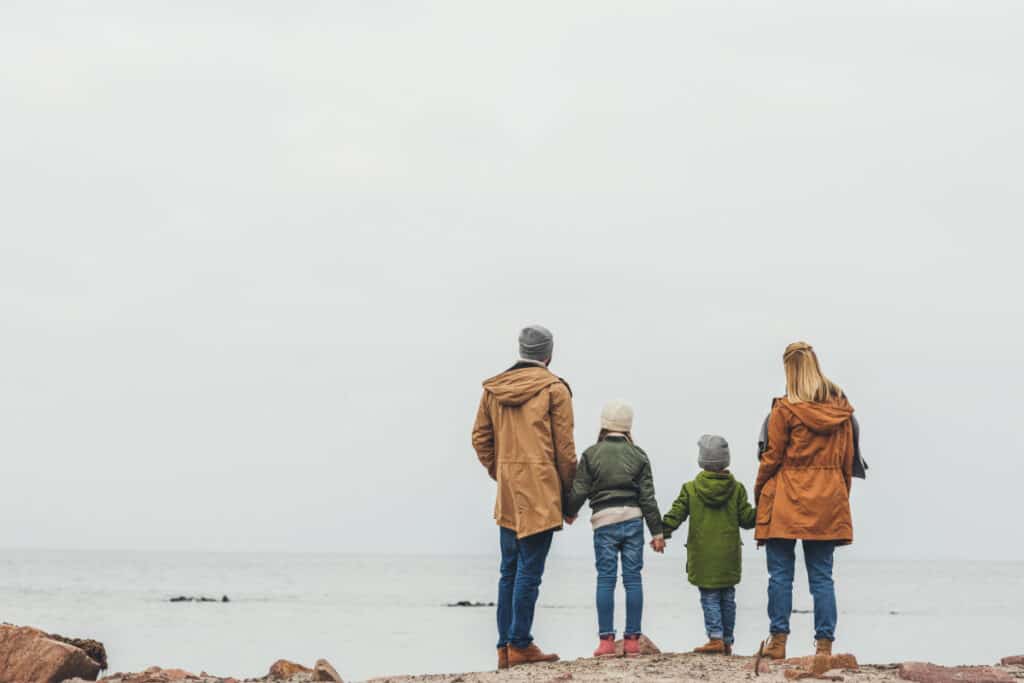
(323, 671)
(282, 668)
(1016, 660)
(647, 647)
(154, 674)
(922, 672)
(201, 598)
(28, 654)
(844, 661)
(93, 648)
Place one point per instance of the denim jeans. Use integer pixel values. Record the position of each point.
(719, 605)
(818, 557)
(522, 566)
(625, 539)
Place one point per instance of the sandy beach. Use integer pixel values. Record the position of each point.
(684, 667)
(662, 668)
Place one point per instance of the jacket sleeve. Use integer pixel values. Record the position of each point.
(771, 459)
(561, 432)
(678, 514)
(581, 488)
(747, 512)
(851, 452)
(648, 503)
(483, 438)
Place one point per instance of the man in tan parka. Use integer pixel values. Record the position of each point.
(523, 436)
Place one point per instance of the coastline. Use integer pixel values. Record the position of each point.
(658, 668)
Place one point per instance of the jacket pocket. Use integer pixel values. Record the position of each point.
(766, 502)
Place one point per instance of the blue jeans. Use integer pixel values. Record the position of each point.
(522, 566)
(719, 605)
(625, 539)
(818, 557)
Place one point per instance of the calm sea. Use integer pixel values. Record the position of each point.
(385, 615)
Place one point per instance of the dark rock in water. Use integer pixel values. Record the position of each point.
(467, 603)
(190, 598)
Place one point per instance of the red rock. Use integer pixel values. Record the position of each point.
(922, 672)
(647, 647)
(1016, 660)
(28, 654)
(282, 668)
(323, 671)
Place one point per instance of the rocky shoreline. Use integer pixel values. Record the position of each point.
(28, 655)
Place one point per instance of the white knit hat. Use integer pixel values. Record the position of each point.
(617, 416)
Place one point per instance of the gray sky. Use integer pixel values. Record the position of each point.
(257, 258)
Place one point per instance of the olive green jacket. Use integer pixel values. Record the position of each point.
(613, 473)
(717, 506)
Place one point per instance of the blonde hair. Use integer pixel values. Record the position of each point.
(804, 379)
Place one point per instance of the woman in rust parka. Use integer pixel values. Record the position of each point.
(803, 493)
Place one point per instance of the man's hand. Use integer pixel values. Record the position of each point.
(658, 544)
(570, 520)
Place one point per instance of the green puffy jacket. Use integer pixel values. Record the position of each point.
(613, 473)
(717, 506)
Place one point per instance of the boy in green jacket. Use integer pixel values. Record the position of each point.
(717, 506)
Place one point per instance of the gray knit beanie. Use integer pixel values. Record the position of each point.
(714, 453)
(536, 343)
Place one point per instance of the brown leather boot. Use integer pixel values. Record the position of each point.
(822, 656)
(502, 658)
(728, 650)
(775, 648)
(712, 647)
(531, 654)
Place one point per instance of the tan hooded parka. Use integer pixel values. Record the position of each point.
(803, 484)
(523, 436)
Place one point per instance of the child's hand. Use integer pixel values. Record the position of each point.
(658, 544)
(570, 520)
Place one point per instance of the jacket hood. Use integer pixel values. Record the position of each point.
(714, 488)
(822, 418)
(517, 386)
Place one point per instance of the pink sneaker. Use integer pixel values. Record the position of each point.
(606, 648)
(631, 646)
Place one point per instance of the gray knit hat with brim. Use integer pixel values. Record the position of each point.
(536, 343)
(714, 453)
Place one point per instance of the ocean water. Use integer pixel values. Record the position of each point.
(373, 616)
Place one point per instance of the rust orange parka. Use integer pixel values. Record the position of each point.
(803, 484)
(523, 435)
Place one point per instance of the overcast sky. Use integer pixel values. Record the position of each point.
(256, 258)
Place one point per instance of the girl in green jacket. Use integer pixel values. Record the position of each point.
(717, 506)
(615, 476)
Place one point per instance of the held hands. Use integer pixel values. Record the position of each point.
(658, 544)
(570, 520)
